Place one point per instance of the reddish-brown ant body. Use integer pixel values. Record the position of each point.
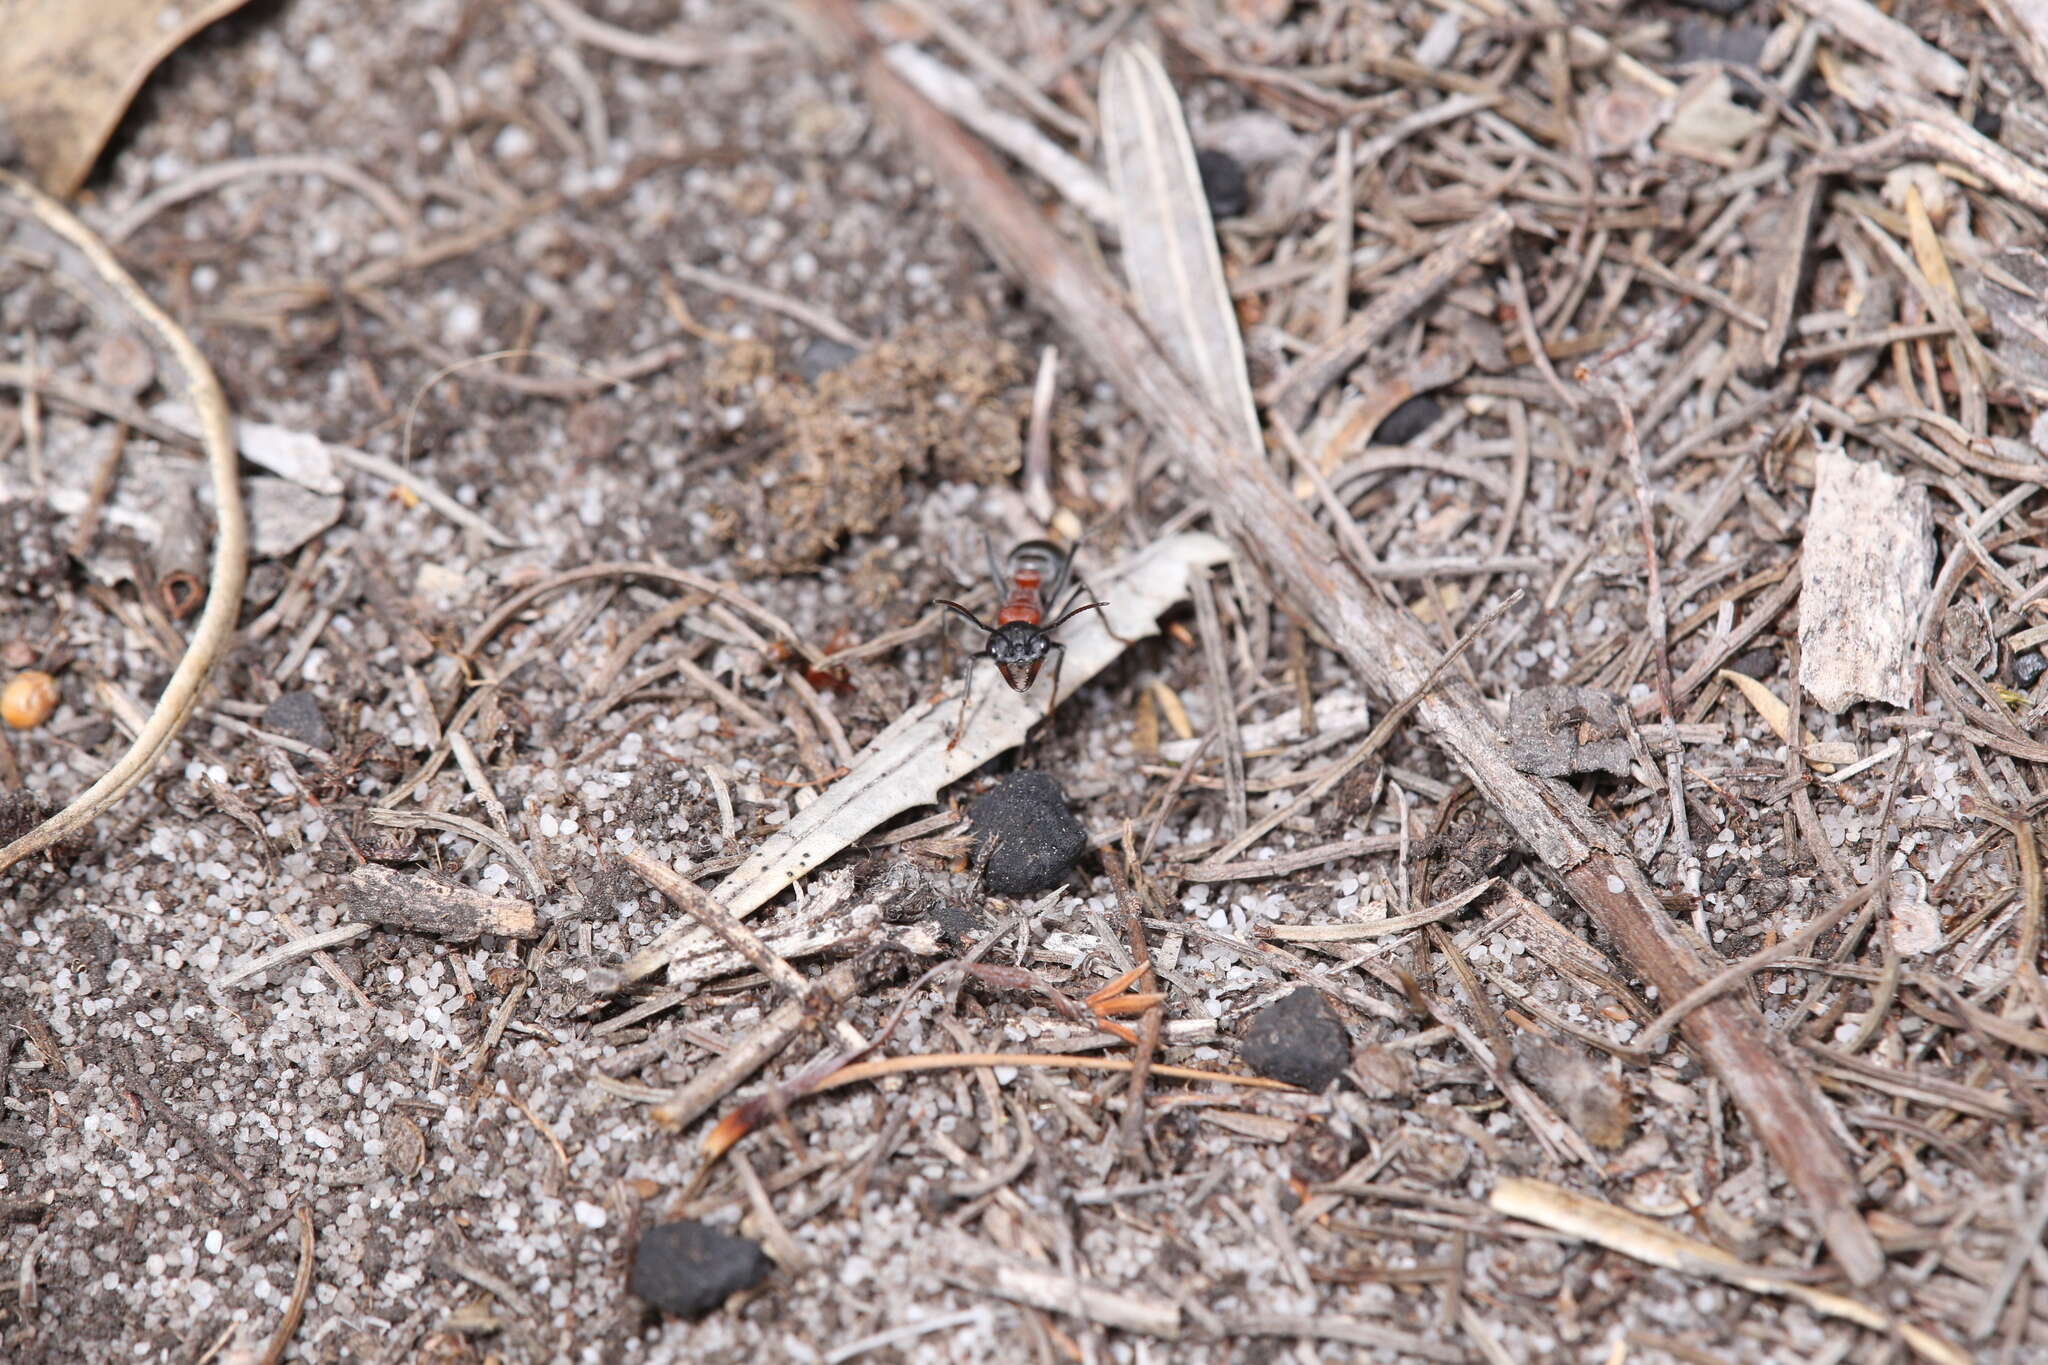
(1031, 580)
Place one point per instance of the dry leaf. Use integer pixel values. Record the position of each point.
(1823, 756)
(1169, 242)
(68, 72)
(1776, 714)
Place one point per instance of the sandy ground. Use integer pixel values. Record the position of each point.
(453, 1121)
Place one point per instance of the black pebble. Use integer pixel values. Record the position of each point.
(822, 355)
(2027, 668)
(296, 715)
(1223, 182)
(1298, 1039)
(690, 1268)
(1041, 839)
(1988, 122)
(1408, 421)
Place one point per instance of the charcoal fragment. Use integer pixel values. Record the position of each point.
(1298, 1039)
(1039, 840)
(690, 1268)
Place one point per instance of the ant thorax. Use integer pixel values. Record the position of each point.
(1032, 578)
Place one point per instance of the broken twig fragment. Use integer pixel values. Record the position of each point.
(417, 905)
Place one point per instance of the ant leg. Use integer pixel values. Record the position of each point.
(1058, 659)
(966, 695)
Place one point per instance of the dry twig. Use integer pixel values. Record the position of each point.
(231, 537)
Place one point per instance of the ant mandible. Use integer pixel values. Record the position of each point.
(1031, 580)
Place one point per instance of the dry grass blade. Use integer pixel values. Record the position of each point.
(1169, 242)
(909, 763)
(1632, 1234)
(231, 535)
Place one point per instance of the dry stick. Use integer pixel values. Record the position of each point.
(1148, 1039)
(1577, 1215)
(231, 539)
(751, 1053)
(946, 1061)
(737, 936)
(1038, 438)
(301, 1287)
(1217, 672)
(1660, 625)
(1387, 647)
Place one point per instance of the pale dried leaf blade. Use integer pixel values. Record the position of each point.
(1169, 241)
(68, 72)
(1776, 713)
(908, 764)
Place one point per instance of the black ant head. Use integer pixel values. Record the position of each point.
(1019, 649)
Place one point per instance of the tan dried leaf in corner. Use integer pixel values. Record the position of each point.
(1865, 575)
(69, 71)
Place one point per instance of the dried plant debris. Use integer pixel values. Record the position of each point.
(1562, 731)
(935, 402)
(421, 905)
(1867, 570)
(1596, 304)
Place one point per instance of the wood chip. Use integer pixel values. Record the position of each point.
(1866, 575)
(419, 905)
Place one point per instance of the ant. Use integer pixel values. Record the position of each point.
(1031, 579)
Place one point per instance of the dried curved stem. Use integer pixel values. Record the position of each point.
(231, 534)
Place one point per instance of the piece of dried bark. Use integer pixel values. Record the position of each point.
(420, 906)
(1781, 231)
(1563, 731)
(1865, 576)
(2020, 321)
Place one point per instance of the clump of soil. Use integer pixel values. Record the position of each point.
(950, 401)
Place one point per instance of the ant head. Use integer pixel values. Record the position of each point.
(1018, 648)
